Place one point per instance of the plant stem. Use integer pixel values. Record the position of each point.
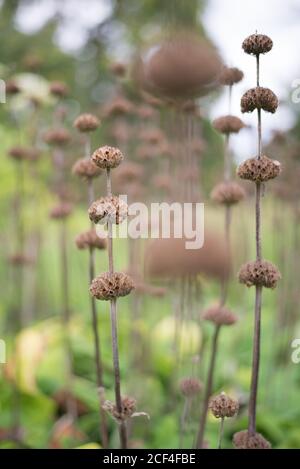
(221, 433)
(114, 330)
(208, 388)
(183, 420)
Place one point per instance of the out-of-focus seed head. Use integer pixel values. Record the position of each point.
(228, 124)
(59, 89)
(261, 273)
(90, 239)
(57, 137)
(86, 169)
(118, 69)
(107, 157)
(257, 44)
(20, 259)
(119, 106)
(220, 316)
(190, 387)
(128, 409)
(18, 153)
(11, 87)
(86, 123)
(228, 193)
(259, 170)
(108, 286)
(112, 209)
(223, 406)
(259, 98)
(61, 211)
(230, 76)
(242, 440)
(129, 172)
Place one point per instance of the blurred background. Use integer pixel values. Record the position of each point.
(99, 50)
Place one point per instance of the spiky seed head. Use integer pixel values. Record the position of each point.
(108, 286)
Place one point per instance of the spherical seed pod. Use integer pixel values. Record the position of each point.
(90, 239)
(57, 137)
(107, 157)
(86, 123)
(61, 211)
(228, 193)
(223, 406)
(86, 169)
(18, 153)
(259, 170)
(257, 44)
(58, 89)
(220, 316)
(242, 440)
(111, 208)
(128, 409)
(190, 387)
(119, 106)
(12, 88)
(259, 98)
(108, 286)
(260, 273)
(230, 76)
(228, 124)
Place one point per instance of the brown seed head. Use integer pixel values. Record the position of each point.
(86, 169)
(107, 157)
(11, 87)
(108, 286)
(18, 153)
(190, 386)
(128, 409)
(242, 440)
(262, 273)
(19, 259)
(228, 124)
(108, 208)
(223, 406)
(90, 239)
(59, 89)
(228, 193)
(86, 123)
(220, 316)
(259, 98)
(61, 211)
(153, 136)
(119, 106)
(230, 75)
(259, 170)
(163, 182)
(129, 172)
(257, 44)
(57, 137)
(118, 69)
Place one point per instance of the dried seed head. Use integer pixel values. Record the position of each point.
(18, 153)
(259, 98)
(146, 112)
(59, 89)
(86, 169)
(228, 193)
(19, 259)
(230, 75)
(108, 286)
(111, 208)
(190, 386)
(163, 182)
(61, 211)
(120, 131)
(129, 172)
(223, 406)
(220, 316)
(146, 152)
(86, 123)
(257, 44)
(119, 106)
(262, 273)
(128, 409)
(153, 136)
(11, 87)
(57, 137)
(242, 440)
(118, 69)
(228, 124)
(107, 157)
(259, 170)
(90, 239)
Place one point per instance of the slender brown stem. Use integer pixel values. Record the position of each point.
(221, 431)
(114, 330)
(183, 420)
(208, 389)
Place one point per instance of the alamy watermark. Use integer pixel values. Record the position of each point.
(295, 357)
(2, 351)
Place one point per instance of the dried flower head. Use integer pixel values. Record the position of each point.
(90, 239)
(59, 89)
(118, 69)
(119, 106)
(259, 98)
(146, 112)
(153, 136)
(107, 157)
(230, 75)
(108, 286)
(190, 386)
(20, 259)
(223, 406)
(259, 170)
(129, 172)
(228, 193)
(108, 208)
(242, 440)
(257, 44)
(262, 273)
(18, 153)
(86, 169)
(57, 137)
(220, 316)
(61, 211)
(163, 182)
(86, 123)
(11, 87)
(128, 409)
(146, 152)
(228, 124)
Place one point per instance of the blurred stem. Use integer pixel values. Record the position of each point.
(221, 431)
(183, 420)
(208, 388)
(114, 330)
